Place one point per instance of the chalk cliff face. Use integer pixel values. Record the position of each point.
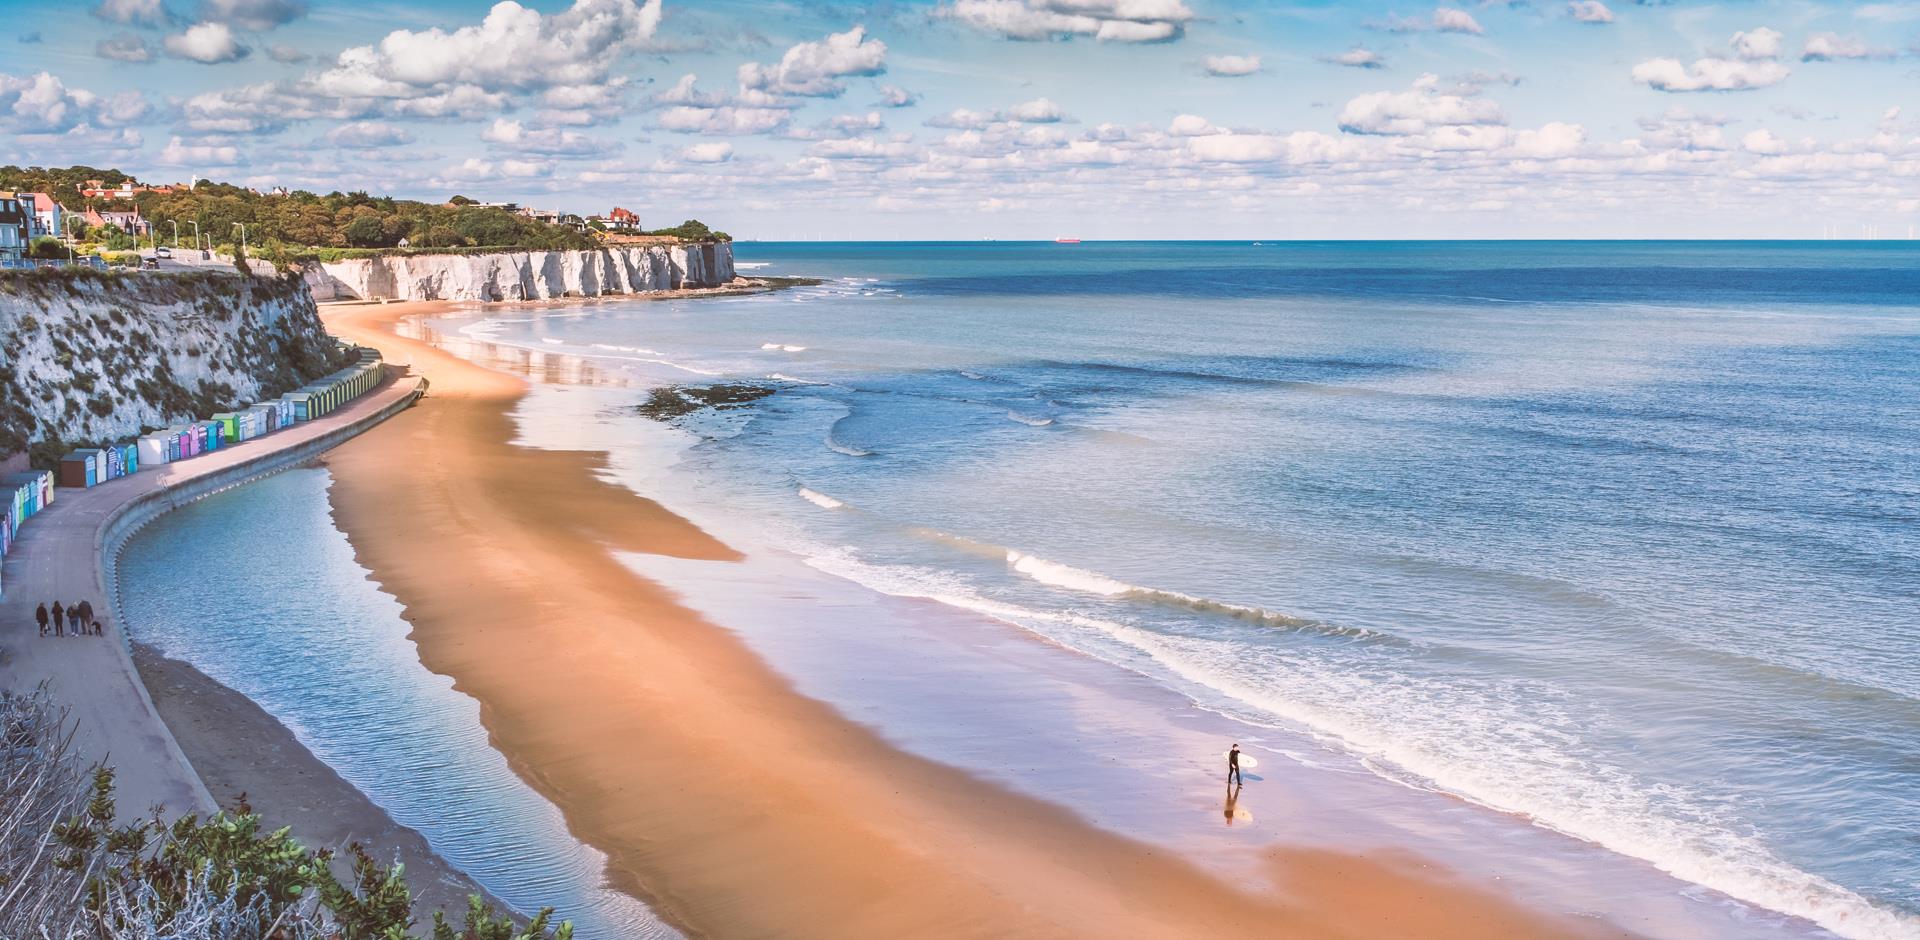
(88, 358)
(522, 275)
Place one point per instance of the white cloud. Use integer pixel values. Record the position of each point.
(1549, 141)
(1359, 57)
(363, 134)
(42, 104)
(125, 47)
(1827, 47)
(1416, 110)
(716, 152)
(1192, 125)
(1708, 74)
(206, 43)
(893, 96)
(1232, 66)
(1762, 43)
(256, 15)
(1037, 111)
(513, 49)
(1589, 11)
(287, 54)
(814, 69)
(134, 12)
(1299, 147)
(212, 153)
(549, 141)
(1763, 142)
(725, 120)
(1443, 20)
(1103, 20)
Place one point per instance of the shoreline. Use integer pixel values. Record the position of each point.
(722, 817)
(242, 752)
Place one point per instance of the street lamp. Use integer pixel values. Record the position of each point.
(196, 234)
(176, 232)
(243, 237)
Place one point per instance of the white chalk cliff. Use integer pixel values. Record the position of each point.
(523, 275)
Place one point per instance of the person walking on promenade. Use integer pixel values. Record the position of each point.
(40, 615)
(59, 619)
(86, 616)
(1233, 765)
(75, 621)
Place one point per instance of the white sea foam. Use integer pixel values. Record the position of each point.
(1410, 731)
(1092, 582)
(848, 449)
(1032, 421)
(977, 377)
(751, 265)
(782, 377)
(551, 341)
(614, 347)
(820, 499)
(783, 347)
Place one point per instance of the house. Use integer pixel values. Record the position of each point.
(16, 225)
(126, 220)
(98, 189)
(48, 215)
(622, 220)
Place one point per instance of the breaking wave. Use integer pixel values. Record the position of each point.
(820, 499)
(782, 347)
(1032, 421)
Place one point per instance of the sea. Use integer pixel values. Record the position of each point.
(1618, 539)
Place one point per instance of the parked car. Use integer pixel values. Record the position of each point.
(150, 264)
(163, 252)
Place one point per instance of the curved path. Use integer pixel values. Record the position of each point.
(67, 553)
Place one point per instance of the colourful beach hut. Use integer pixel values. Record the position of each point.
(213, 435)
(80, 468)
(299, 404)
(154, 447)
(229, 426)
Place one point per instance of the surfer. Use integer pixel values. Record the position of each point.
(1233, 765)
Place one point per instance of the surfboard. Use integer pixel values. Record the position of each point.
(1247, 761)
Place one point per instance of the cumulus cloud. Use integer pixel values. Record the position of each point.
(1103, 20)
(893, 96)
(1754, 65)
(1416, 111)
(43, 104)
(814, 69)
(1232, 66)
(1708, 74)
(1192, 125)
(364, 134)
(1763, 142)
(1828, 47)
(726, 120)
(1037, 111)
(206, 43)
(548, 141)
(1358, 57)
(134, 12)
(255, 15)
(125, 47)
(717, 152)
(1443, 20)
(1590, 11)
(199, 153)
(513, 49)
(1762, 43)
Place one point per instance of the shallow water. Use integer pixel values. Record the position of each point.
(1621, 537)
(258, 590)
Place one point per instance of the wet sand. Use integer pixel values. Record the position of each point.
(734, 805)
(241, 752)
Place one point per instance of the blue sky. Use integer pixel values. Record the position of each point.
(1012, 118)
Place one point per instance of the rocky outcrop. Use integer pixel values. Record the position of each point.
(88, 357)
(522, 275)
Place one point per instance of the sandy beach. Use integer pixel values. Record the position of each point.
(731, 803)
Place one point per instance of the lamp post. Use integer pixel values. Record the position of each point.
(243, 237)
(67, 225)
(176, 232)
(196, 234)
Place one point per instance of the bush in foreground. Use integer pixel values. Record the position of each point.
(69, 871)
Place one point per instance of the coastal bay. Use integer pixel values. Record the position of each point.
(733, 805)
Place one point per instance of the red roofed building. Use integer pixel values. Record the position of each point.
(621, 220)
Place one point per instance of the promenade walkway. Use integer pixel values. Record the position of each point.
(67, 553)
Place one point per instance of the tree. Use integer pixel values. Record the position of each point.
(47, 246)
(367, 231)
(460, 201)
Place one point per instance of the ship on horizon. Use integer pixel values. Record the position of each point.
(1066, 240)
